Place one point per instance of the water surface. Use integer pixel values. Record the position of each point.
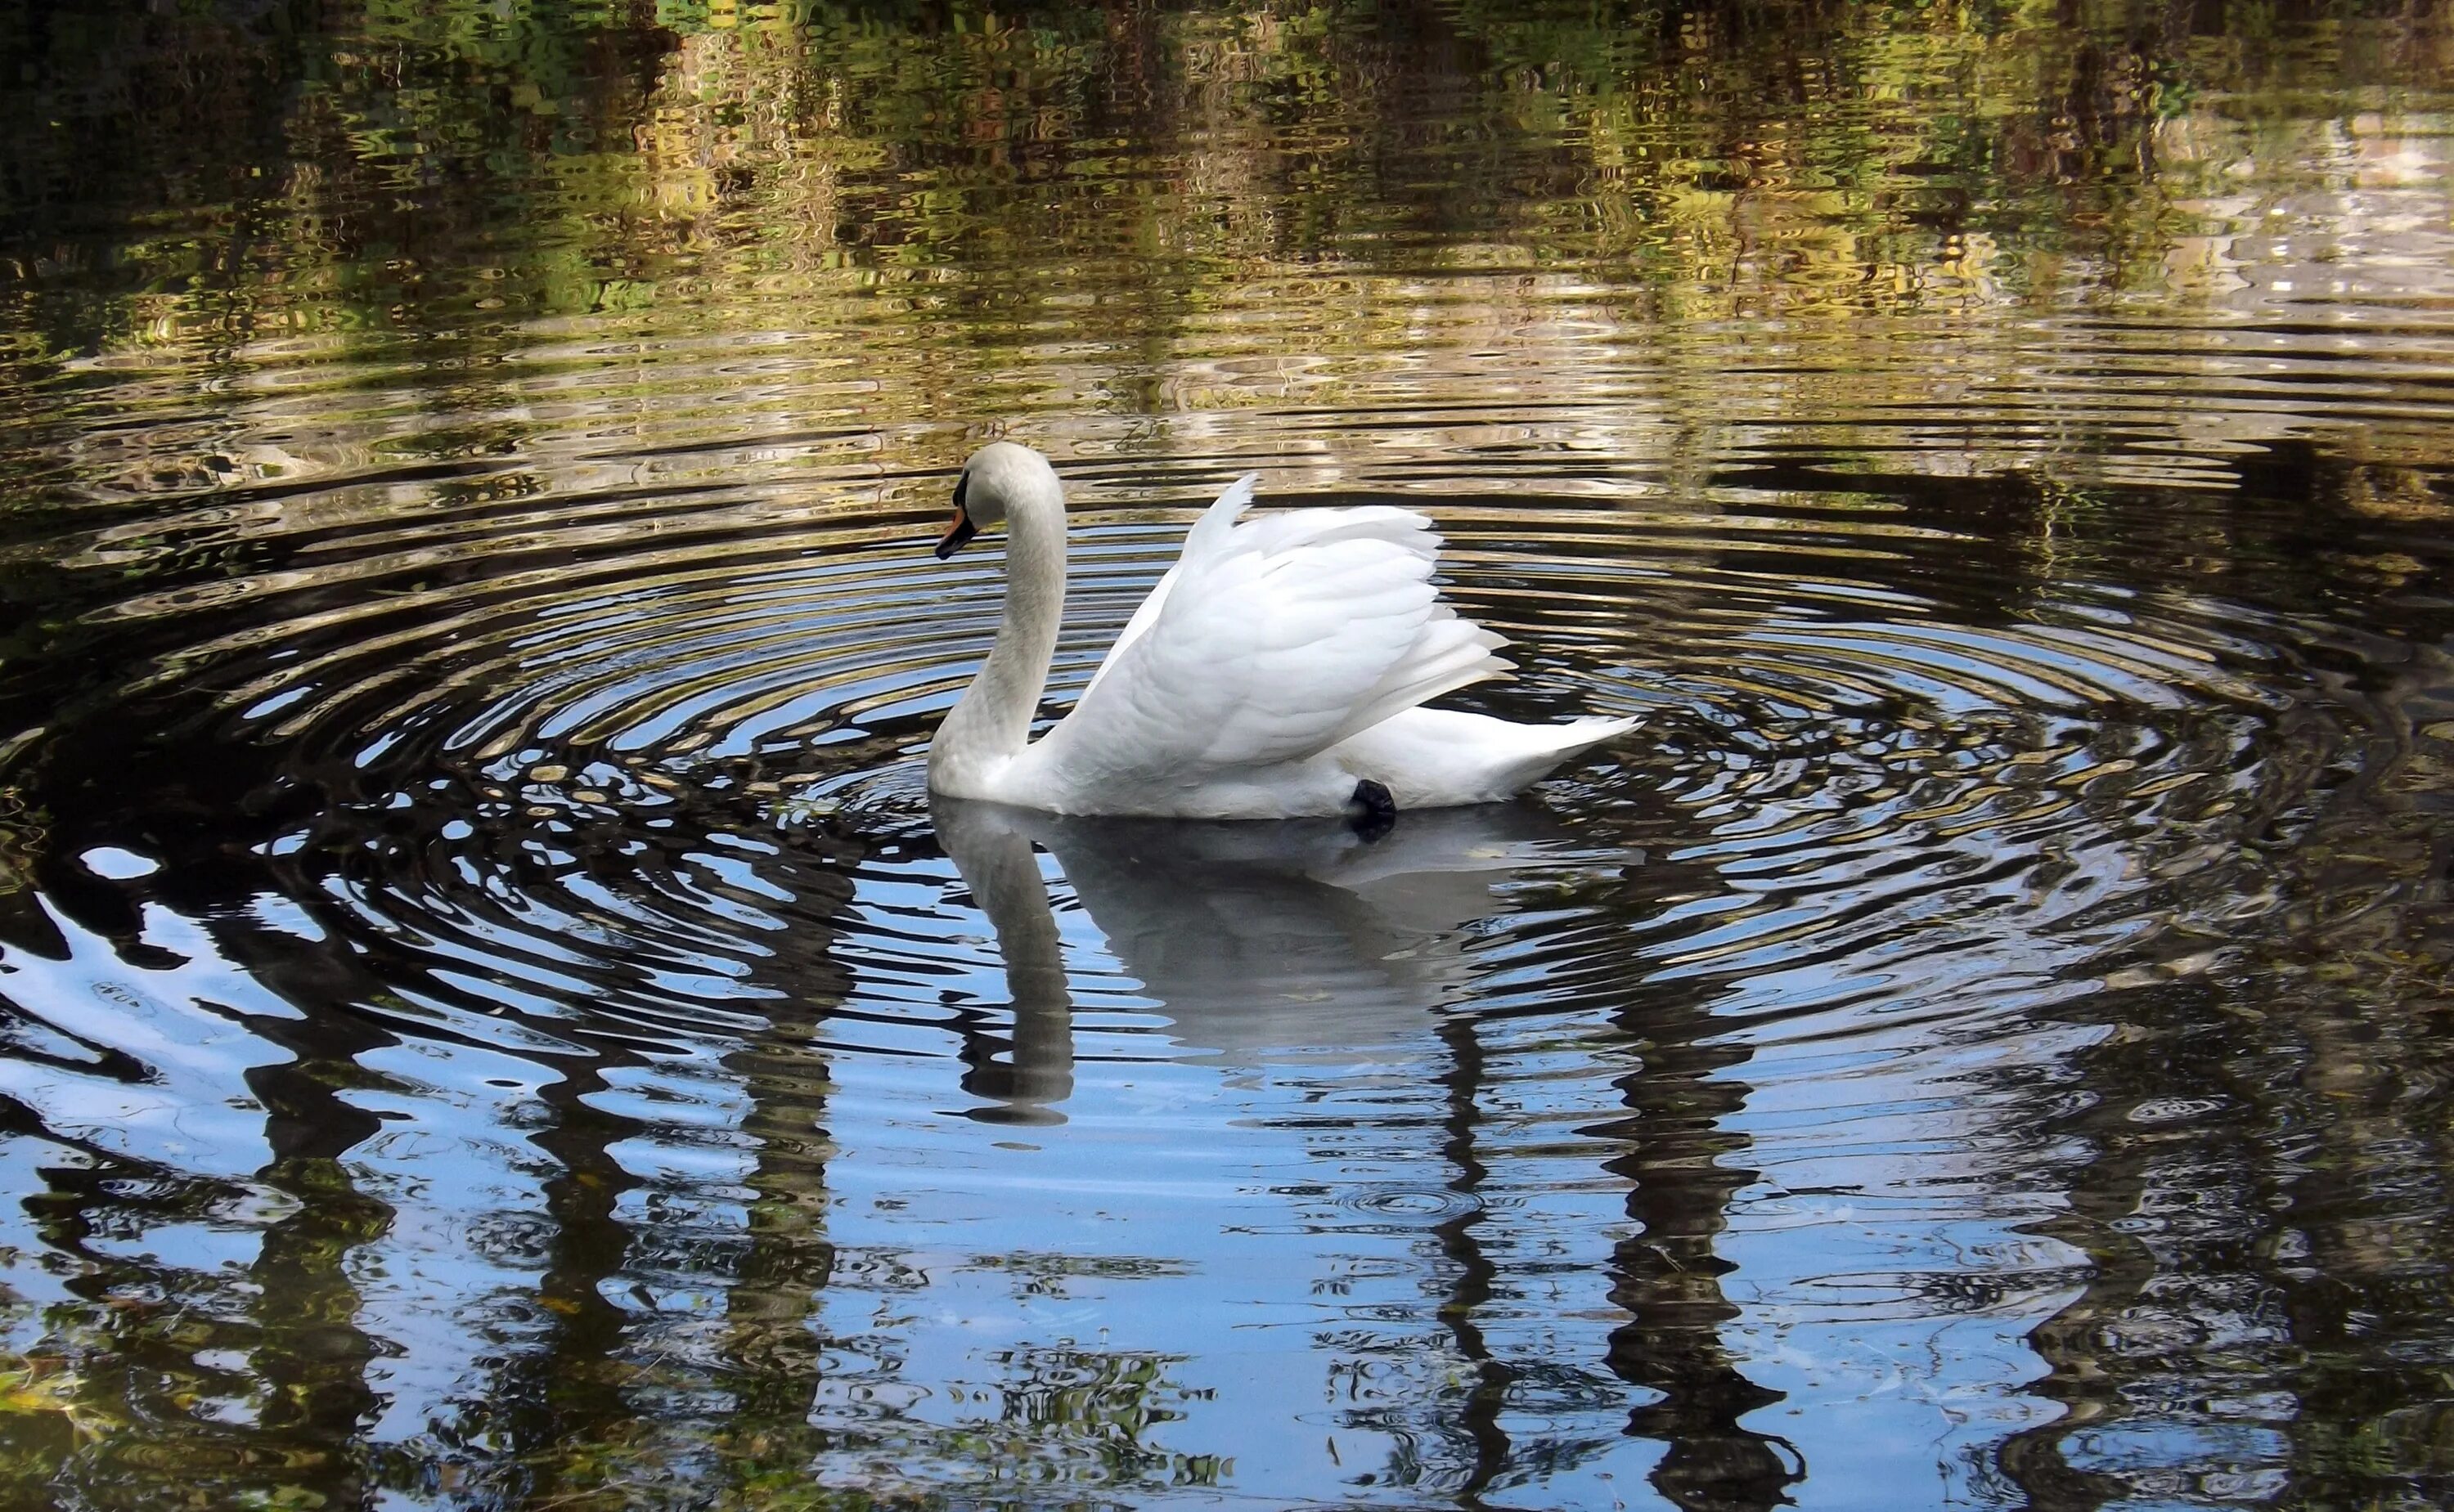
(490, 1016)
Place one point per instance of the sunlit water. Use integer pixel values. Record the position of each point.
(493, 1018)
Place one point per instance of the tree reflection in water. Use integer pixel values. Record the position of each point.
(1258, 937)
(474, 1034)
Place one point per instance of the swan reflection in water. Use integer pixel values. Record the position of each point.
(1253, 937)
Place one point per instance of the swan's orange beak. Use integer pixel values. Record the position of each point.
(958, 533)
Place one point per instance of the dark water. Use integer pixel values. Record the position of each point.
(489, 1017)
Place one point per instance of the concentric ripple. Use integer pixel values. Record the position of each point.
(642, 765)
(560, 824)
(575, 766)
(491, 1016)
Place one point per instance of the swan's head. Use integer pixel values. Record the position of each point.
(1000, 478)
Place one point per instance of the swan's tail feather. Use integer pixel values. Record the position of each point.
(1584, 733)
(1523, 753)
(1549, 746)
(1430, 757)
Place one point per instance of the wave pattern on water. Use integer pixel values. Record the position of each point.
(488, 1011)
(579, 827)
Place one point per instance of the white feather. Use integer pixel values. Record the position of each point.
(1278, 664)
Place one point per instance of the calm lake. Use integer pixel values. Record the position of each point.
(491, 1017)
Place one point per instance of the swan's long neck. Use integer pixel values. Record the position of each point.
(991, 723)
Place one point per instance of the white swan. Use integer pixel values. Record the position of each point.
(1275, 672)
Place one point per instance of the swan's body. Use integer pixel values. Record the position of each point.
(1275, 670)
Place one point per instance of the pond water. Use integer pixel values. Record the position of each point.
(490, 1016)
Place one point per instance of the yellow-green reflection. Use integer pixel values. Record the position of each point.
(490, 1021)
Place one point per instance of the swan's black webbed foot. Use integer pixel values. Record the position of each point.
(1371, 813)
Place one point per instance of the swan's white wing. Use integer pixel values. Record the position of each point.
(1254, 661)
(1270, 535)
(1269, 641)
(1232, 500)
